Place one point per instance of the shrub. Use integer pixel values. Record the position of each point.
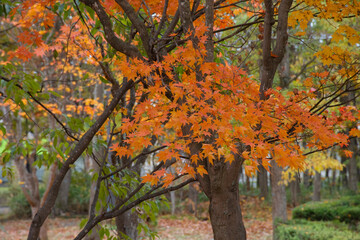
(350, 215)
(18, 204)
(4, 195)
(315, 211)
(306, 230)
(329, 210)
(79, 193)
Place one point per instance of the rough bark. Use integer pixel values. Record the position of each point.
(224, 209)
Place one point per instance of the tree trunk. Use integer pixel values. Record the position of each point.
(343, 174)
(225, 213)
(317, 187)
(173, 202)
(263, 182)
(93, 168)
(193, 196)
(352, 166)
(295, 191)
(248, 188)
(62, 200)
(333, 181)
(278, 194)
(127, 224)
(307, 179)
(44, 228)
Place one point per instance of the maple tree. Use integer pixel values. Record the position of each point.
(174, 93)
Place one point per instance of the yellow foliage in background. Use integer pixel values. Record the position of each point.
(316, 162)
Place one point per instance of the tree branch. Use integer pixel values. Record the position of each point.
(119, 45)
(83, 143)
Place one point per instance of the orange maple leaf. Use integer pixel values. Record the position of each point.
(348, 153)
(201, 170)
(149, 178)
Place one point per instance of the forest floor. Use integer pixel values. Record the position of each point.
(256, 215)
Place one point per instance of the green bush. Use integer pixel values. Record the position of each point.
(79, 193)
(18, 204)
(350, 215)
(315, 211)
(307, 230)
(4, 195)
(329, 210)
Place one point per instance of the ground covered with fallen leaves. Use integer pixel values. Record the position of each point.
(256, 215)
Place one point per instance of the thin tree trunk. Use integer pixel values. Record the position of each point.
(248, 188)
(295, 191)
(307, 179)
(278, 194)
(263, 182)
(127, 224)
(343, 173)
(173, 202)
(62, 200)
(317, 187)
(352, 166)
(93, 168)
(193, 196)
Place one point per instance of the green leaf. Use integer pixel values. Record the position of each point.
(102, 79)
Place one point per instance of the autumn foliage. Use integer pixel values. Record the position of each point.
(178, 88)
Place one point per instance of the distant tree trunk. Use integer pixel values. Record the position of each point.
(352, 166)
(27, 173)
(317, 187)
(127, 224)
(295, 191)
(93, 165)
(343, 173)
(263, 182)
(173, 202)
(307, 179)
(30, 189)
(269, 67)
(284, 70)
(62, 199)
(93, 168)
(248, 188)
(193, 198)
(333, 181)
(278, 194)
